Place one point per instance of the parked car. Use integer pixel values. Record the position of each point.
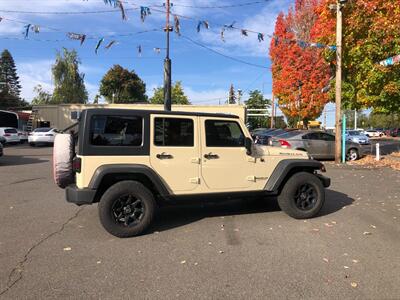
(44, 135)
(2, 140)
(10, 134)
(23, 136)
(357, 137)
(319, 145)
(263, 137)
(373, 133)
(1, 149)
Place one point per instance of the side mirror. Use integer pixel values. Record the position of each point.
(248, 143)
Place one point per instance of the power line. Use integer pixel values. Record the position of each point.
(224, 55)
(222, 6)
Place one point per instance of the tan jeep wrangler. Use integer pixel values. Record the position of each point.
(131, 161)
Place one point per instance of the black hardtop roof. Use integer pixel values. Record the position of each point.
(159, 112)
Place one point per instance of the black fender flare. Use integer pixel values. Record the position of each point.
(104, 170)
(285, 167)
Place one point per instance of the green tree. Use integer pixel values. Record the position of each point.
(232, 95)
(120, 85)
(177, 94)
(69, 86)
(10, 88)
(257, 101)
(42, 97)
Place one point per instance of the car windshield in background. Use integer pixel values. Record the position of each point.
(42, 129)
(289, 134)
(10, 130)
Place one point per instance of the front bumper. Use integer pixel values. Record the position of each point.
(79, 196)
(326, 182)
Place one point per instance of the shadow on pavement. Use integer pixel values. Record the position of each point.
(175, 216)
(15, 160)
(334, 201)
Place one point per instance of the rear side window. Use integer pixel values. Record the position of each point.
(223, 134)
(173, 132)
(116, 131)
(10, 130)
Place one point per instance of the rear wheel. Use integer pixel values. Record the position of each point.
(126, 209)
(32, 144)
(302, 196)
(352, 155)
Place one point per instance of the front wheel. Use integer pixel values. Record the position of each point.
(302, 196)
(352, 155)
(126, 209)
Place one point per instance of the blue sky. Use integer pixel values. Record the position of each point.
(206, 76)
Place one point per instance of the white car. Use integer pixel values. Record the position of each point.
(44, 135)
(10, 134)
(373, 133)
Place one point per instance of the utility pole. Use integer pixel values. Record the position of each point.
(325, 117)
(167, 64)
(338, 90)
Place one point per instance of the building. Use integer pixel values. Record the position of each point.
(63, 115)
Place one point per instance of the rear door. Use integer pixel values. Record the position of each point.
(330, 142)
(174, 151)
(225, 164)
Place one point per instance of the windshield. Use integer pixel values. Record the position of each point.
(290, 134)
(42, 129)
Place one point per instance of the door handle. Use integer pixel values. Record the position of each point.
(211, 156)
(164, 156)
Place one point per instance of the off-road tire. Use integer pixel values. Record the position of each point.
(287, 197)
(114, 194)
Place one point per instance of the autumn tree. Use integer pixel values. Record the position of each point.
(370, 34)
(177, 95)
(120, 85)
(299, 71)
(69, 86)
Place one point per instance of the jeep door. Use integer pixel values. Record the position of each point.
(174, 151)
(225, 164)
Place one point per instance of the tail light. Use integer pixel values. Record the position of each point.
(7, 134)
(76, 164)
(285, 144)
(19, 133)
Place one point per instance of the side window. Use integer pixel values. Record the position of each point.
(116, 131)
(312, 136)
(173, 132)
(327, 137)
(223, 134)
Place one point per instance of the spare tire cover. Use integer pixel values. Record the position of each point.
(63, 153)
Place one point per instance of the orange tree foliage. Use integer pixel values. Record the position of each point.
(370, 34)
(299, 73)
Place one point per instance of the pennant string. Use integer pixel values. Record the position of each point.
(110, 44)
(177, 26)
(27, 30)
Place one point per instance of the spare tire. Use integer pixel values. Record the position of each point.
(63, 154)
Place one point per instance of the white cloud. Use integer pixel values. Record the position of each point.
(206, 97)
(32, 74)
(237, 44)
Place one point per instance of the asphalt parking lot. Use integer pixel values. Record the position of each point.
(235, 250)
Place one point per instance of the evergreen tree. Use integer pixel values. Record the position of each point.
(10, 88)
(120, 85)
(232, 95)
(69, 86)
(177, 94)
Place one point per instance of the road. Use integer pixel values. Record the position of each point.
(236, 250)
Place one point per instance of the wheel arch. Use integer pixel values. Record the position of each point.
(107, 175)
(286, 168)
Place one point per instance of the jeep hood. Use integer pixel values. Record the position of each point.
(279, 151)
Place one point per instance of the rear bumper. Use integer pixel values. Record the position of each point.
(79, 196)
(326, 182)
